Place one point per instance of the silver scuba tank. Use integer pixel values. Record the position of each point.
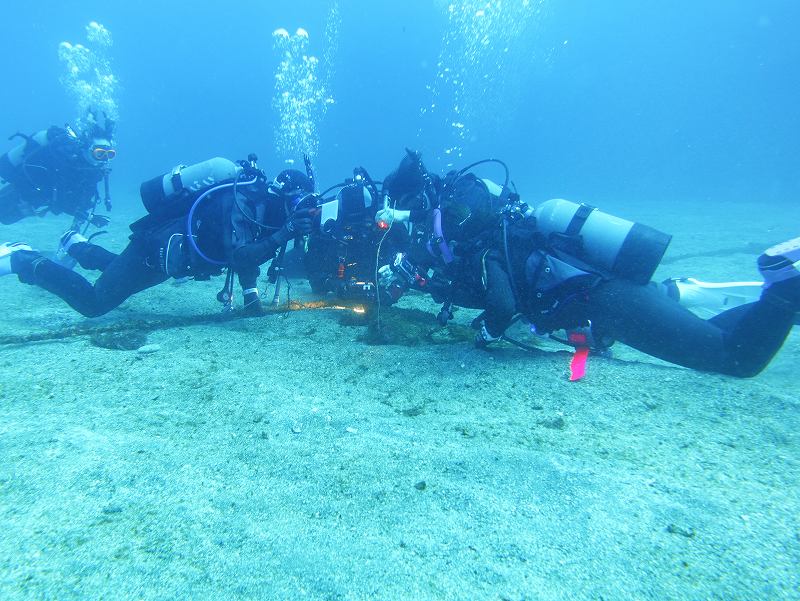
(16, 155)
(167, 195)
(609, 244)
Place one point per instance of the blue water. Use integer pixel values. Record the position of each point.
(631, 100)
(283, 458)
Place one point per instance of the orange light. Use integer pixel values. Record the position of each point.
(383, 225)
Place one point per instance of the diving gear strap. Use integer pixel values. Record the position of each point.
(225, 296)
(175, 178)
(438, 240)
(310, 171)
(578, 219)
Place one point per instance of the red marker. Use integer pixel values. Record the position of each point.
(577, 367)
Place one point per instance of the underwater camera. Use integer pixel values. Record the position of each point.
(347, 246)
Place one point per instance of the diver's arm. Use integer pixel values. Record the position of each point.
(390, 215)
(257, 253)
(245, 261)
(260, 251)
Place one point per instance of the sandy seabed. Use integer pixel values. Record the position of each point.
(282, 457)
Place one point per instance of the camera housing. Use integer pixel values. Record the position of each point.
(346, 246)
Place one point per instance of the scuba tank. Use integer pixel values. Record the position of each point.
(600, 241)
(172, 194)
(14, 165)
(354, 204)
(16, 156)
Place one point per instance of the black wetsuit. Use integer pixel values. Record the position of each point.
(554, 295)
(52, 177)
(739, 342)
(221, 235)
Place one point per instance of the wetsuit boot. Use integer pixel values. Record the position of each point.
(7, 249)
(780, 268)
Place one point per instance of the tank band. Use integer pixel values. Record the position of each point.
(578, 219)
(177, 182)
(640, 253)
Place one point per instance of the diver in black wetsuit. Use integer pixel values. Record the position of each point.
(57, 171)
(569, 266)
(201, 219)
(414, 197)
(432, 205)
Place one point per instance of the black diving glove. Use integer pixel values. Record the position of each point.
(100, 220)
(299, 223)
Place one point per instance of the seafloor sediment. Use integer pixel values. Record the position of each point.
(283, 457)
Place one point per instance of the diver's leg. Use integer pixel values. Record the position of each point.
(126, 275)
(500, 304)
(248, 280)
(91, 256)
(32, 268)
(74, 246)
(123, 277)
(740, 342)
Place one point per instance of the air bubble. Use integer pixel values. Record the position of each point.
(89, 78)
(302, 88)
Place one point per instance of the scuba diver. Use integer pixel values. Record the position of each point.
(57, 171)
(200, 220)
(463, 205)
(568, 266)
(347, 245)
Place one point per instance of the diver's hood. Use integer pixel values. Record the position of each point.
(99, 129)
(470, 209)
(408, 179)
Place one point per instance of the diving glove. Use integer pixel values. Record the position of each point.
(391, 215)
(299, 223)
